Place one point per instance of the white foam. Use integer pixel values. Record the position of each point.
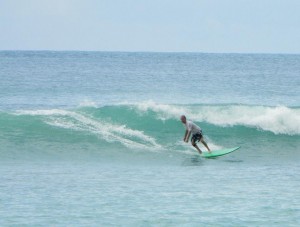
(109, 132)
(88, 103)
(279, 119)
(42, 112)
(164, 111)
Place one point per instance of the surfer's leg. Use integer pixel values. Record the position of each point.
(193, 140)
(205, 144)
(195, 145)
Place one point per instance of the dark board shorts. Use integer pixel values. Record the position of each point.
(196, 137)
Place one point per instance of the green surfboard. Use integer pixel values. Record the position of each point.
(219, 152)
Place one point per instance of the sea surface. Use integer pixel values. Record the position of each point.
(94, 139)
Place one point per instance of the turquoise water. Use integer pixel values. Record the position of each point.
(94, 139)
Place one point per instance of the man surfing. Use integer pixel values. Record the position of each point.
(196, 131)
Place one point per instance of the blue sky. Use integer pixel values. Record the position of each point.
(223, 26)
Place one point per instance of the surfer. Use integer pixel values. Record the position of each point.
(196, 131)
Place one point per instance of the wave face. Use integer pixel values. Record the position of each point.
(148, 127)
(278, 120)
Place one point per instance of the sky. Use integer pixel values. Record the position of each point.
(210, 26)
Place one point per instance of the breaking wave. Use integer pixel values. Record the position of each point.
(147, 126)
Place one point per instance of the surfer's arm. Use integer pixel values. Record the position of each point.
(187, 136)
(184, 138)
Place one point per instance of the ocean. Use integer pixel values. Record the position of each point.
(95, 139)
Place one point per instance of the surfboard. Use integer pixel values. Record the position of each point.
(217, 153)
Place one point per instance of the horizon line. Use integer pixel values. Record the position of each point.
(145, 51)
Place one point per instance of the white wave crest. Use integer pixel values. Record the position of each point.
(279, 119)
(88, 103)
(109, 132)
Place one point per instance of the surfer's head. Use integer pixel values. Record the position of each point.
(183, 119)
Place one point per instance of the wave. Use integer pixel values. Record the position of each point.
(110, 132)
(148, 126)
(279, 119)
